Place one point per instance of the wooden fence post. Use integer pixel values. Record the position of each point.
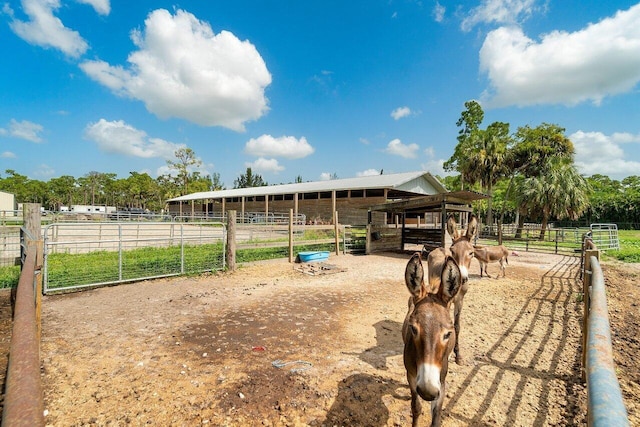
(336, 231)
(231, 240)
(586, 299)
(290, 235)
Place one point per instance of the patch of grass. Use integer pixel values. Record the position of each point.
(629, 247)
(261, 254)
(65, 270)
(9, 276)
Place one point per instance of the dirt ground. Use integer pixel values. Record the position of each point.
(270, 345)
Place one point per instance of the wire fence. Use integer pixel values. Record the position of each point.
(557, 240)
(9, 245)
(80, 255)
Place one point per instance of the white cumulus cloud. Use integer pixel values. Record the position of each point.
(598, 153)
(265, 165)
(434, 165)
(7, 155)
(288, 147)
(438, 12)
(44, 171)
(103, 7)
(326, 176)
(397, 148)
(601, 60)
(24, 130)
(45, 29)
(498, 12)
(182, 69)
(368, 172)
(400, 112)
(120, 138)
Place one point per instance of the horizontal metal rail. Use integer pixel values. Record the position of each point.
(605, 406)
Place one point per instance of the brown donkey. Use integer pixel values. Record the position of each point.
(429, 335)
(487, 254)
(462, 252)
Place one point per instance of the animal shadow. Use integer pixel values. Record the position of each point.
(388, 344)
(359, 401)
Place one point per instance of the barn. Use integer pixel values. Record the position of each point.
(7, 204)
(314, 201)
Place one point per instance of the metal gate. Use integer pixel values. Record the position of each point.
(355, 237)
(81, 255)
(605, 236)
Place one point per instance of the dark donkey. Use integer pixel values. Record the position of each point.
(462, 252)
(429, 335)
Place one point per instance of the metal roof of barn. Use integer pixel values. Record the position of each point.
(409, 182)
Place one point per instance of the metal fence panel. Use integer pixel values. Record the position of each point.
(605, 236)
(9, 245)
(79, 255)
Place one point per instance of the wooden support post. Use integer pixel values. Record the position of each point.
(231, 240)
(290, 235)
(586, 300)
(33, 223)
(443, 222)
(336, 231)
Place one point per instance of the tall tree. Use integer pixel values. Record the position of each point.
(469, 123)
(61, 191)
(248, 180)
(186, 161)
(216, 182)
(485, 159)
(531, 154)
(480, 154)
(559, 191)
(16, 184)
(141, 188)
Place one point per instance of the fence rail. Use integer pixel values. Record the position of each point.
(605, 406)
(23, 400)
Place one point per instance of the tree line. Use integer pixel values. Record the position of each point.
(138, 190)
(529, 175)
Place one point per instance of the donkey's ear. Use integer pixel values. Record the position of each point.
(472, 229)
(450, 280)
(452, 227)
(414, 275)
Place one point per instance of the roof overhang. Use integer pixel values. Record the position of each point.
(452, 201)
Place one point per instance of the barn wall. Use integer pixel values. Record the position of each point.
(384, 239)
(351, 210)
(7, 201)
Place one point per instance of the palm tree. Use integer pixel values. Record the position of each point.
(531, 154)
(485, 159)
(559, 192)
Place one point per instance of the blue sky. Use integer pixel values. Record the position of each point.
(310, 89)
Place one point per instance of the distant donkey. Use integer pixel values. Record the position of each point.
(488, 254)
